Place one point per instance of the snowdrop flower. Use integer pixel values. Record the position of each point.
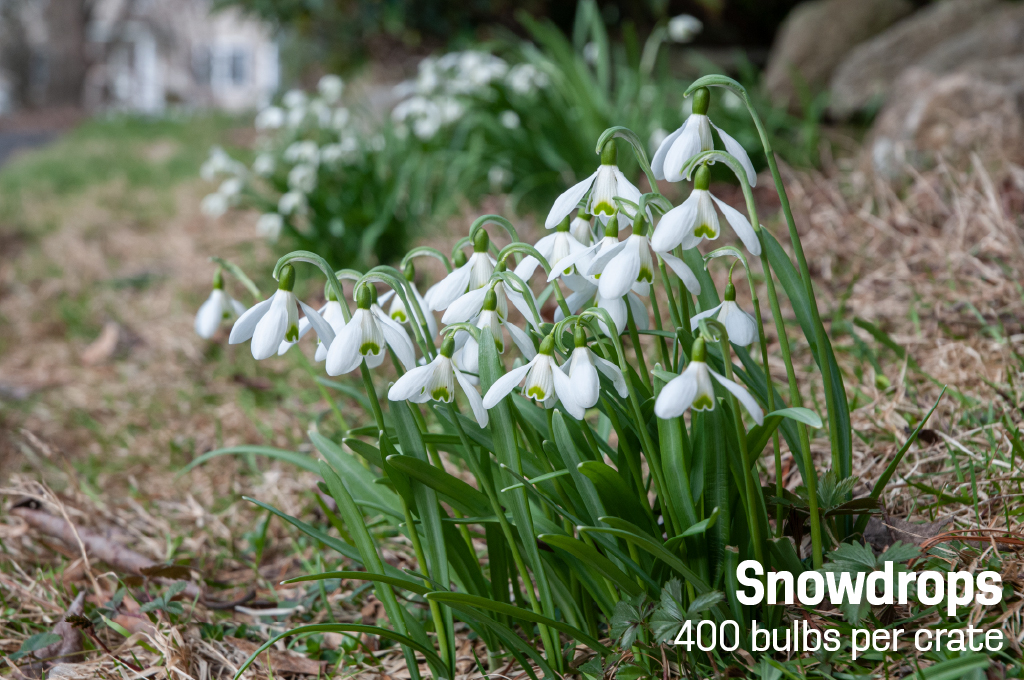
(340, 118)
(691, 139)
(296, 116)
(332, 314)
(688, 224)
(302, 178)
(591, 52)
(269, 226)
(264, 165)
(218, 162)
(294, 99)
(582, 367)
(330, 88)
(450, 109)
(270, 118)
(544, 382)
(217, 308)
(214, 205)
(554, 247)
(581, 229)
(470, 276)
(291, 202)
(398, 311)
(605, 185)
(740, 326)
(305, 151)
(524, 79)
(694, 390)
(231, 187)
(509, 119)
(365, 337)
(487, 315)
(272, 321)
(684, 28)
(628, 266)
(436, 381)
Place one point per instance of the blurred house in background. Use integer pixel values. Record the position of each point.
(133, 55)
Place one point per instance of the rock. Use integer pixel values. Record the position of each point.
(977, 109)
(939, 38)
(817, 35)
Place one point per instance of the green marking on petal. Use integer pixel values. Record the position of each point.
(703, 403)
(705, 230)
(605, 208)
(293, 334)
(399, 316)
(225, 314)
(441, 394)
(646, 275)
(537, 393)
(369, 348)
(500, 345)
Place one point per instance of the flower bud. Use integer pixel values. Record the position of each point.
(547, 345)
(409, 271)
(481, 241)
(448, 347)
(697, 351)
(579, 337)
(701, 101)
(702, 178)
(490, 301)
(730, 292)
(287, 279)
(612, 228)
(459, 258)
(608, 153)
(364, 298)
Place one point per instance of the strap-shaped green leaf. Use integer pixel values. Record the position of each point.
(616, 496)
(301, 460)
(461, 495)
(593, 559)
(411, 586)
(368, 451)
(360, 481)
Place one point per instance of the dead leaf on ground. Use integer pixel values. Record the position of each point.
(279, 662)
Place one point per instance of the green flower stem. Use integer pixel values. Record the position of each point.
(749, 473)
(547, 635)
(662, 345)
(673, 309)
(810, 474)
(631, 460)
(634, 336)
(324, 393)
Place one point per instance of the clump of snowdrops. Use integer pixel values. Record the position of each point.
(615, 446)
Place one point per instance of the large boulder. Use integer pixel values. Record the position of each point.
(940, 38)
(978, 109)
(817, 35)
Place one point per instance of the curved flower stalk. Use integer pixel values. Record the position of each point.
(693, 137)
(487, 316)
(474, 274)
(398, 312)
(271, 322)
(740, 326)
(543, 381)
(217, 309)
(695, 220)
(554, 247)
(366, 336)
(694, 390)
(582, 368)
(436, 382)
(605, 185)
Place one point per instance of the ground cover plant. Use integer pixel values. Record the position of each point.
(614, 508)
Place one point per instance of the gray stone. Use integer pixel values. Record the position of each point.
(978, 109)
(928, 38)
(817, 35)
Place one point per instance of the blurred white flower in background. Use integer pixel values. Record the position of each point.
(498, 177)
(263, 165)
(305, 151)
(590, 53)
(296, 116)
(230, 187)
(322, 112)
(510, 119)
(684, 28)
(657, 137)
(294, 99)
(331, 88)
(270, 118)
(214, 205)
(524, 79)
(340, 118)
(269, 226)
(218, 163)
(291, 202)
(302, 178)
(450, 109)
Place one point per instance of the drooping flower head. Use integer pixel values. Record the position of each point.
(276, 320)
(436, 382)
(474, 274)
(691, 139)
(605, 185)
(694, 390)
(740, 326)
(366, 336)
(544, 382)
(486, 315)
(554, 247)
(582, 367)
(219, 307)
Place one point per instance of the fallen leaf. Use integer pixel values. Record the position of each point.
(279, 662)
(104, 346)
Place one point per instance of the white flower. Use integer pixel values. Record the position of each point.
(605, 185)
(218, 162)
(498, 177)
(218, 308)
(450, 109)
(436, 381)
(591, 52)
(291, 202)
(270, 118)
(684, 28)
(264, 165)
(231, 187)
(365, 337)
(305, 151)
(544, 382)
(321, 111)
(691, 139)
(399, 313)
(426, 127)
(554, 247)
(523, 79)
(302, 178)
(294, 99)
(694, 390)
(272, 321)
(330, 88)
(581, 228)
(628, 266)
(688, 224)
(340, 118)
(214, 205)
(740, 326)
(269, 226)
(582, 367)
(509, 119)
(296, 116)
(470, 276)
(482, 308)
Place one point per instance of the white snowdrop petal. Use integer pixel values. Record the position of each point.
(683, 271)
(604, 254)
(504, 385)
(210, 315)
(398, 340)
(567, 394)
(449, 288)
(324, 331)
(620, 272)
(740, 326)
(465, 308)
(473, 397)
(640, 313)
(658, 162)
(577, 259)
(736, 150)
(675, 224)
(246, 324)
(613, 373)
(616, 308)
(412, 383)
(685, 147)
(741, 225)
(271, 329)
(567, 202)
(749, 403)
(586, 385)
(519, 302)
(706, 314)
(522, 341)
(676, 396)
(237, 307)
(343, 355)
